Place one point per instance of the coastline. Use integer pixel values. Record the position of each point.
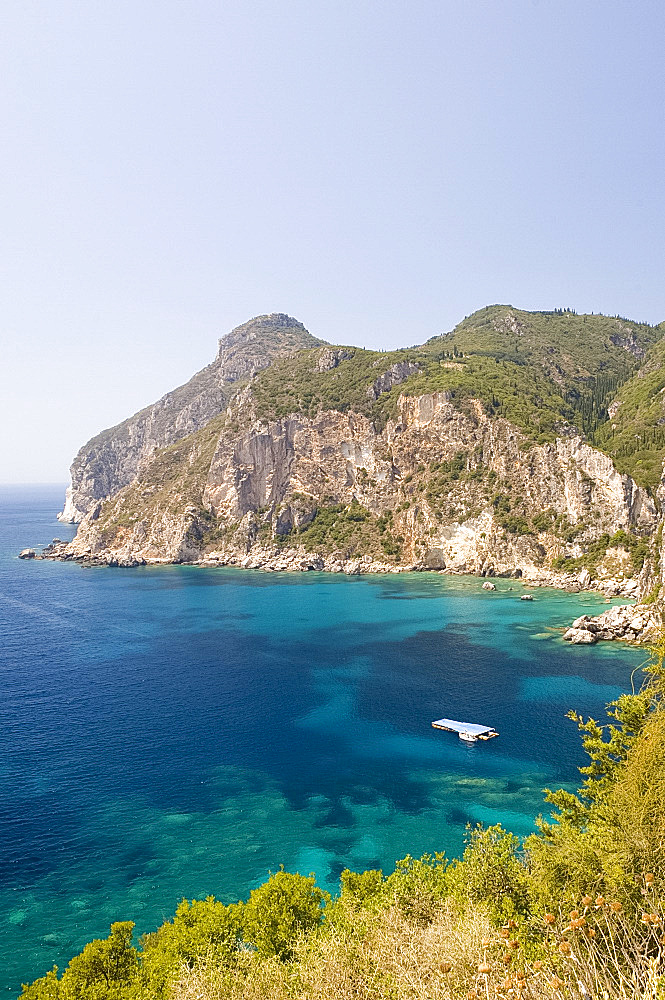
(632, 623)
(299, 560)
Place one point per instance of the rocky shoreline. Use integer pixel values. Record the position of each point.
(297, 560)
(634, 623)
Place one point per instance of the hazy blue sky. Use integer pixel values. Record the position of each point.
(377, 169)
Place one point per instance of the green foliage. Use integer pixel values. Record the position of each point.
(350, 530)
(575, 348)
(362, 888)
(45, 988)
(538, 370)
(295, 385)
(608, 835)
(596, 551)
(200, 929)
(492, 872)
(544, 520)
(524, 396)
(280, 910)
(635, 435)
(418, 885)
(105, 969)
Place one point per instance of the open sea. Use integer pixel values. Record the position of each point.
(176, 732)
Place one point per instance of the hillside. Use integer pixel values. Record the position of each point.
(487, 450)
(538, 369)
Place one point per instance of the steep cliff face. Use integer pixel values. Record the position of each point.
(112, 459)
(436, 488)
(460, 489)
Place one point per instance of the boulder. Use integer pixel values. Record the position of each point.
(489, 586)
(27, 554)
(579, 637)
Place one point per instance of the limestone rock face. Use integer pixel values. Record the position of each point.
(343, 457)
(330, 357)
(264, 481)
(596, 478)
(112, 459)
(269, 463)
(395, 375)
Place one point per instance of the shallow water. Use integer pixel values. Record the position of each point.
(174, 731)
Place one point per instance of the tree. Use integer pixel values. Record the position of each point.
(200, 929)
(605, 838)
(284, 907)
(104, 966)
(45, 988)
(104, 969)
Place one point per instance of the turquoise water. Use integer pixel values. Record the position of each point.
(172, 731)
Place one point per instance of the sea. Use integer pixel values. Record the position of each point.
(173, 731)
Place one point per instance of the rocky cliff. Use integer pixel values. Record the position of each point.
(113, 458)
(474, 453)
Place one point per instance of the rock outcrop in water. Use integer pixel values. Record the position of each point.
(635, 623)
(466, 455)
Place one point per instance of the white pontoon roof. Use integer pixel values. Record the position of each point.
(463, 727)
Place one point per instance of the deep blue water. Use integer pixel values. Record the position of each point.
(172, 731)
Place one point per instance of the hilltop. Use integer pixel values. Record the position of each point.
(112, 459)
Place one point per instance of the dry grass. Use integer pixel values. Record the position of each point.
(596, 953)
(394, 957)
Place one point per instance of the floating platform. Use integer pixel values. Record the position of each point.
(468, 731)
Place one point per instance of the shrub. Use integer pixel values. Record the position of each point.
(492, 872)
(200, 928)
(284, 907)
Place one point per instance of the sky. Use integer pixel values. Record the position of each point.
(377, 169)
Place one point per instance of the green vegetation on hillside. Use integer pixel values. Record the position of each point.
(563, 344)
(541, 371)
(350, 531)
(174, 479)
(637, 548)
(575, 911)
(522, 395)
(545, 373)
(635, 435)
(295, 385)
